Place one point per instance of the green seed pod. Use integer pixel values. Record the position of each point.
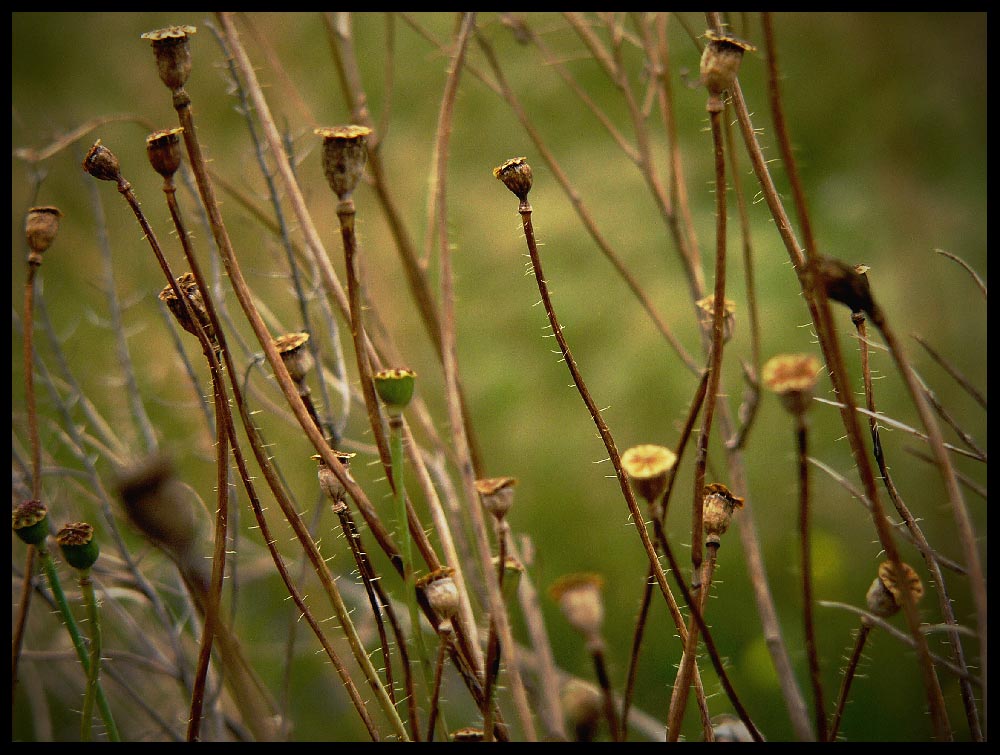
(395, 388)
(30, 521)
(345, 153)
(173, 54)
(78, 546)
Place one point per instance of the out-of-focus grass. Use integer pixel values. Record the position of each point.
(888, 115)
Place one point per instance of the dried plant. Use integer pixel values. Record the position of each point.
(695, 194)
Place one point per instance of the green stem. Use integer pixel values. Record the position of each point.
(59, 596)
(93, 618)
(399, 495)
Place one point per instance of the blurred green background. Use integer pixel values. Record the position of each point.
(888, 116)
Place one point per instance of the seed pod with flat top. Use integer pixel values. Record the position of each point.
(40, 228)
(497, 495)
(885, 596)
(328, 481)
(345, 153)
(78, 546)
(720, 62)
(30, 522)
(173, 54)
(719, 503)
(163, 148)
(793, 378)
(442, 594)
(579, 597)
(648, 467)
(293, 352)
(516, 175)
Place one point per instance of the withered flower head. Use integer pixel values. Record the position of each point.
(442, 594)
(793, 378)
(707, 307)
(40, 227)
(101, 163)
(163, 148)
(579, 597)
(718, 503)
(497, 494)
(345, 153)
(78, 546)
(173, 54)
(647, 466)
(293, 352)
(30, 522)
(159, 505)
(720, 62)
(885, 596)
(847, 284)
(328, 481)
(189, 287)
(516, 175)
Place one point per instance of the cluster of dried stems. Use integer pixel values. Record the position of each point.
(462, 572)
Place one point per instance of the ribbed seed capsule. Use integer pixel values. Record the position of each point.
(30, 522)
(163, 148)
(189, 287)
(173, 54)
(345, 153)
(78, 546)
(40, 228)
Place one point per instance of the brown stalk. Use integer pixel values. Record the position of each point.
(816, 298)
(849, 674)
(953, 371)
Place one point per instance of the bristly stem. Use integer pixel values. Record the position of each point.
(94, 673)
(802, 443)
(849, 673)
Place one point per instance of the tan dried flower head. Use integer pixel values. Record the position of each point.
(329, 483)
(579, 597)
(720, 62)
(793, 377)
(648, 466)
(516, 175)
(497, 494)
(707, 307)
(345, 153)
(467, 734)
(885, 596)
(40, 228)
(298, 359)
(719, 503)
(442, 594)
(189, 288)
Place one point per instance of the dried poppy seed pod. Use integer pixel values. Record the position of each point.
(516, 175)
(395, 388)
(720, 62)
(30, 522)
(163, 148)
(173, 54)
(847, 284)
(648, 467)
(158, 505)
(497, 495)
(467, 734)
(442, 594)
(40, 227)
(707, 308)
(885, 596)
(102, 164)
(293, 352)
(78, 546)
(328, 481)
(718, 504)
(345, 153)
(793, 378)
(189, 287)
(583, 709)
(579, 597)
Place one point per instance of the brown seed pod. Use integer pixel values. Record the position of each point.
(189, 287)
(847, 284)
(293, 352)
(707, 308)
(720, 63)
(345, 153)
(442, 594)
(885, 596)
(163, 148)
(497, 495)
(516, 175)
(579, 597)
(172, 48)
(328, 481)
(159, 505)
(102, 164)
(719, 503)
(40, 227)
